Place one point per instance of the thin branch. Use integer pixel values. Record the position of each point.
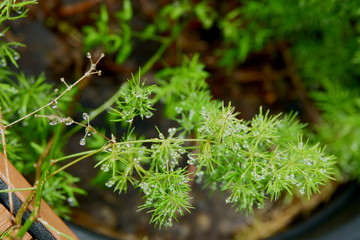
(76, 161)
(88, 127)
(46, 224)
(24, 206)
(91, 71)
(17, 190)
(35, 213)
(3, 141)
(41, 159)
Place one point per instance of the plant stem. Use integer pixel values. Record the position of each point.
(155, 140)
(17, 189)
(35, 212)
(72, 156)
(154, 38)
(76, 161)
(46, 224)
(175, 33)
(90, 153)
(42, 157)
(23, 208)
(3, 141)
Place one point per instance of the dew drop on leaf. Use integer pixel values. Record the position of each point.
(71, 202)
(105, 167)
(172, 131)
(3, 62)
(16, 56)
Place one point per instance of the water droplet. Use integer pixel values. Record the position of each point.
(172, 131)
(69, 121)
(105, 167)
(71, 202)
(137, 160)
(85, 116)
(54, 104)
(199, 176)
(246, 144)
(19, 10)
(149, 115)
(3, 62)
(308, 162)
(53, 122)
(178, 110)
(82, 141)
(169, 223)
(145, 187)
(109, 183)
(301, 145)
(16, 56)
(192, 159)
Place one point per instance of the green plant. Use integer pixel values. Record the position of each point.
(323, 39)
(250, 161)
(21, 95)
(102, 34)
(11, 10)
